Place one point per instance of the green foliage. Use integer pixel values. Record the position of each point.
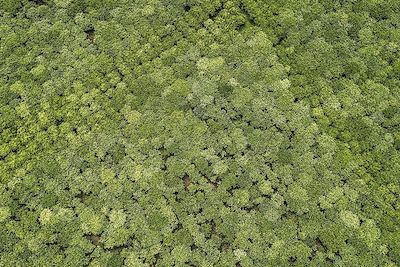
(199, 133)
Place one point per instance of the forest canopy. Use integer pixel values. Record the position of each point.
(239, 133)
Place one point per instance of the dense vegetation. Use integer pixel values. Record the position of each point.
(199, 133)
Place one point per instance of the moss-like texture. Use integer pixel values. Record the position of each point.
(199, 133)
